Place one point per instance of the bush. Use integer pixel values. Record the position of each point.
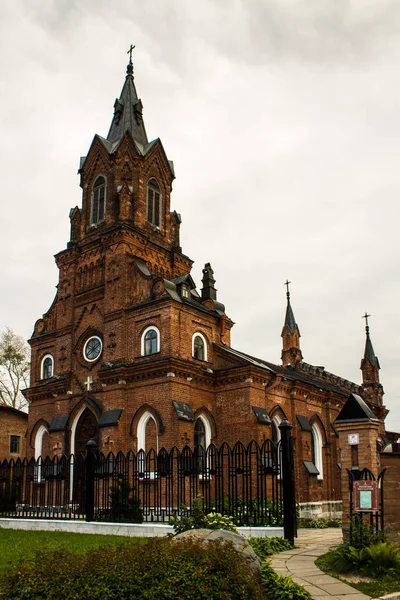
(255, 513)
(346, 558)
(159, 570)
(264, 547)
(383, 558)
(319, 523)
(199, 520)
(376, 560)
(364, 534)
(281, 588)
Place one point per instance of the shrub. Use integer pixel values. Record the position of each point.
(218, 521)
(264, 547)
(159, 570)
(363, 534)
(319, 523)
(281, 588)
(199, 520)
(346, 558)
(382, 558)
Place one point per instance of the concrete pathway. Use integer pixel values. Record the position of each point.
(299, 564)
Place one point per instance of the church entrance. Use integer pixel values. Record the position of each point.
(87, 429)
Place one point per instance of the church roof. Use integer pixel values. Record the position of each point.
(128, 111)
(355, 409)
(303, 372)
(290, 321)
(369, 353)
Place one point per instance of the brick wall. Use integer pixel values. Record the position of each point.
(12, 423)
(391, 488)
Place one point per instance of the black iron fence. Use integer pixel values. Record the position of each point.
(245, 482)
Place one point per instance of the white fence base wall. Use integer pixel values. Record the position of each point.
(330, 509)
(128, 529)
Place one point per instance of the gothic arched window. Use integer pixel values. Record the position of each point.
(199, 349)
(150, 341)
(199, 433)
(316, 447)
(98, 201)
(47, 369)
(153, 203)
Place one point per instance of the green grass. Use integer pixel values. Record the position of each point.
(385, 584)
(16, 545)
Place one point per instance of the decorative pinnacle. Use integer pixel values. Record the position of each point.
(287, 283)
(365, 316)
(129, 68)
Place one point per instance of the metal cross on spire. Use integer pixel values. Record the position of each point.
(365, 316)
(287, 283)
(130, 53)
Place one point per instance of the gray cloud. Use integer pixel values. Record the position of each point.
(282, 121)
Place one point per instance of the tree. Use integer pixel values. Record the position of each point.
(14, 369)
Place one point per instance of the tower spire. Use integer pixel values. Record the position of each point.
(373, 390)
(291, 352)
(369, 364)
(128, 111)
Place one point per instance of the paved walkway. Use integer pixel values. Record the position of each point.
(299, 563)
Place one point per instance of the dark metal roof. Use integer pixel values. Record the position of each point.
(369, 353)
(304, 423)
(355, 409)
(303, 372)
(290, 321)
(311, 468)
(58, 424)
(184, 411)
(110, 417)
(128, 113)
(261, 415)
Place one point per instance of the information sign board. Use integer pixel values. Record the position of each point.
(365, 496)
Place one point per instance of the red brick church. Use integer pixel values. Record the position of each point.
(133, 355)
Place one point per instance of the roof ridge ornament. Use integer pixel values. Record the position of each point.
(287, 283)
(366, 316)
(129, 68)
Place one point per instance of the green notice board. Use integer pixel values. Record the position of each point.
(366, 499)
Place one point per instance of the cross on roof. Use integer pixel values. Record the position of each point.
(130, 53)
(366, 318)
(287, 282)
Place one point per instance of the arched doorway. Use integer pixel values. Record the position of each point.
(86, 429)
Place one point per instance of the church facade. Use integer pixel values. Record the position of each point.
(133, 355)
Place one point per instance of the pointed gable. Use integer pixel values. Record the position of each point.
(355, 409)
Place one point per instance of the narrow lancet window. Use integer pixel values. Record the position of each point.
(98, 201)
(153, 203)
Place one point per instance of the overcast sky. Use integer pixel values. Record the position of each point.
(282, 119)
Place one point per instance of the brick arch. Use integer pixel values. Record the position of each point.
(35, 428)
(277, 411)
(139, 413)
(210, 418)
(316, 420)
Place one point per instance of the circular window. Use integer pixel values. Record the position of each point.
(92, 348)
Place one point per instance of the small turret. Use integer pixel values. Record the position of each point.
(291, 353)
(208, 291)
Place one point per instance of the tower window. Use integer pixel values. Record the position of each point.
(47, 369)
(153, 203)
(199, 349)
(150, 341)
(98, 201)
